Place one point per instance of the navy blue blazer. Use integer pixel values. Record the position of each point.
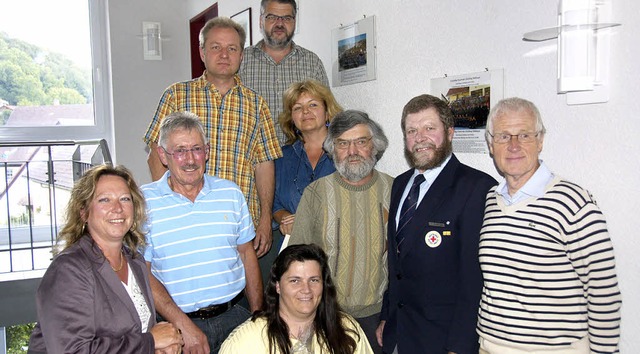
(431, 303)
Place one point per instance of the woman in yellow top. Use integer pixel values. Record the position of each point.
(301, 312)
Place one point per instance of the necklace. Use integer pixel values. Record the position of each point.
(121, 263)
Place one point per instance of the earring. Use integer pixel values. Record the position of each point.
(327, 124)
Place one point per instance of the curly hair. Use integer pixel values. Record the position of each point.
(349, 119)
(328, 326)
(292, 94)
(81, 196)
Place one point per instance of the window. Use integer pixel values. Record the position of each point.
(55, 90)
(54, 70)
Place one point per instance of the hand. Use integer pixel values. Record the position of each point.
(264, 238)
(172, 349)
(195, 341)
(286, 224)
(379, 331)
(166, 334)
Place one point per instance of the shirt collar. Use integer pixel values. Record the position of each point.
(431, 174)
(202, 81)
(257, 49)
(165, 189)
(535, 187)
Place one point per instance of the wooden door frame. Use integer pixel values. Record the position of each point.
(195, 25)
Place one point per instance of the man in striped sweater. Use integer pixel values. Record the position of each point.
(346, 214)
(547, 261)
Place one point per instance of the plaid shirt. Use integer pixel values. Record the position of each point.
(238, 126)
(260, 72)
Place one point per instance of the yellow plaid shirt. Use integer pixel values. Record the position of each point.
(238, 125)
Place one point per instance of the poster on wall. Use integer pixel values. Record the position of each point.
(353, 52)
(470, 97)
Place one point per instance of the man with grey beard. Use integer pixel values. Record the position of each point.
(346, 213)
(436, 210)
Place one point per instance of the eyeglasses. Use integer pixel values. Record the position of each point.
(522, 138)
(181, 153)
(275, 18)
(360, 143)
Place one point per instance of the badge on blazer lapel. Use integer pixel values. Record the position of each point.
(433, 239)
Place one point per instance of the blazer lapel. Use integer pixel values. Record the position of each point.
(432, 202)
(115, 292)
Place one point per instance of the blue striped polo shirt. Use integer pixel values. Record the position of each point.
(193, 246)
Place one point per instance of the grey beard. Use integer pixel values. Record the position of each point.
(355, 173)
(275, 43)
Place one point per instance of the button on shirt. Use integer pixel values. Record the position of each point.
(294, 174)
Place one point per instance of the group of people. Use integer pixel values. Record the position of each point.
(256, 151)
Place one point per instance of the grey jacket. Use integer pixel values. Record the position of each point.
(83, 307)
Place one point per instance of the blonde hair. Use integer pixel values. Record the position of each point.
(81, 196)
(312, 88)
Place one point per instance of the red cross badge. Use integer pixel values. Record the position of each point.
(433, 239)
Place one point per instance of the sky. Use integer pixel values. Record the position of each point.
(58, 26)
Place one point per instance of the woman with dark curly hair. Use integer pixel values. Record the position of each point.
(95, 295)
(301, 312)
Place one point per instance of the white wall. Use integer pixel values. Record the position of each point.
(592, 145)
(137, 83)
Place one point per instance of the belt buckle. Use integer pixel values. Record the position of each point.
(202, 314)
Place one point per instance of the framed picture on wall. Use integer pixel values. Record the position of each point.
(244, 19)
(353, 52)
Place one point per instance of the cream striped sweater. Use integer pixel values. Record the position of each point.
(549, 273)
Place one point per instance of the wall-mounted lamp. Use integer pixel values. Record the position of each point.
(152, 40)
(583, 49)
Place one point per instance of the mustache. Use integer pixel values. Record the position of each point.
(353, 158)
(191, 166)
(423, 145)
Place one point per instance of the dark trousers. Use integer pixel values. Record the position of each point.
(218, 328)
(369, 326)
(265, 263)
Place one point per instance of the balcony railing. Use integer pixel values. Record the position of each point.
(35, 183)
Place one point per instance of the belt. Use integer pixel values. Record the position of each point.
(213, 310)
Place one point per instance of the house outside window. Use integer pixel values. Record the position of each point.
(55, 86)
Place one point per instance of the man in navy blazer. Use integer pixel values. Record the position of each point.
(431, 303)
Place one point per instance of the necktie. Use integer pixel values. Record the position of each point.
(408, 208)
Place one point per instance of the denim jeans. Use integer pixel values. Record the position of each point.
(218, 328)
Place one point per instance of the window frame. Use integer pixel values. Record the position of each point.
(102, 92)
